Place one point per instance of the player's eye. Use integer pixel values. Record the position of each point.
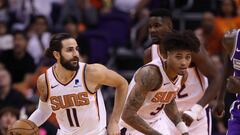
(178, 57)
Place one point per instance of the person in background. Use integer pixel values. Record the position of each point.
(8, 116)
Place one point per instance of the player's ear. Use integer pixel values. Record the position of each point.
(56, 55)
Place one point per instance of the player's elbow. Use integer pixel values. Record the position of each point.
(127, 116)
(214, 75)
(123, 85)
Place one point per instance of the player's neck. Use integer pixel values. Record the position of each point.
(62, 73)
(169, 72)
(162, 51)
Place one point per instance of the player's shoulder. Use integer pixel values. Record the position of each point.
(148, 51)
(96, 71)
(95, 68)
(149, 76)
(147, 56)
(42, 79)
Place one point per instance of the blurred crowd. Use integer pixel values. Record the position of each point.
(110, 32)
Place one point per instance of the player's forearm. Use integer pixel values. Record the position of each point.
(120, 98)
(172, 112)
(138, 123)
(228, 69)
(41, 114)
(212, 90)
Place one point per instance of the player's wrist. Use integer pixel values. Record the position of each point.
(181, 126)
(197, 108)
(194, 111)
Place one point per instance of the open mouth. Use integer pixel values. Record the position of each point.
(183, 69)
(75, 61)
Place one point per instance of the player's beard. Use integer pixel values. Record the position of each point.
(68, 65)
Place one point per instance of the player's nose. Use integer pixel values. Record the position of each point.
(75, 53)
(184, 63)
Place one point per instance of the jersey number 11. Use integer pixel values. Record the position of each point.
(74, 112)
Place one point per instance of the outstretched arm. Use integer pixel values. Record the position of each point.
(228, 43)
(202, 60)
(42, 113)
(147, 79)
(100, 75)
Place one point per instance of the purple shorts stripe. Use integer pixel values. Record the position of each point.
(209, 120)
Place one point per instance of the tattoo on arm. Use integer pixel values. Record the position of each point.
(144, 84)
(172, 112)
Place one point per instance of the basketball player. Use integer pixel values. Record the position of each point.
(71, 90)
(155, 85)
(195, 93)
(231, 44)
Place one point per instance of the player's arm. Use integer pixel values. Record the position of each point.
(147, 79)
(202, 60)
(101, 75)
(147, 57)
(228, 40)
(173, 114)
(42, 113)
(218, 109)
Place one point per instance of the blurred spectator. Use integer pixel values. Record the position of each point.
(84, 48)
(238, 7)
(8, 116)
(4, 12)
(71, 26)
(23, 10)
(39, 38)
(82, 10)
(18, 61)
(134, 7)
(138, 11)
(209, 35)
(104, 6)
(228, 18)
(8, 95)
(6, 40)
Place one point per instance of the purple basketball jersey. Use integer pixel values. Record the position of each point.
(235, 58)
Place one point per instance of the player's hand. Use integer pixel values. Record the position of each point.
(233, 84)
(218, 109)
(190, 115)
(187, 119)
(113, 128)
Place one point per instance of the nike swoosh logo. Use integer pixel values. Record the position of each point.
(77, 85)
(166, 83)
(54, 86)
(200, 119)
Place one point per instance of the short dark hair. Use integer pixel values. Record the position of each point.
(70, 19)
(35, 18)
(185, 40)
(20, 32)
(11, 110)
(161, 13)
(56, 43)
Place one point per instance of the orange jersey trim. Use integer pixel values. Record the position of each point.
(48, 85)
